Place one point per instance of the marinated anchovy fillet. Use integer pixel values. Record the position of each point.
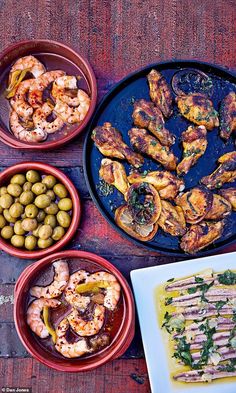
(200, 318)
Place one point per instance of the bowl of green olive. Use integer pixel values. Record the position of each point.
(39, 210)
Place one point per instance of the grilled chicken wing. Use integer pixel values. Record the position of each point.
(228, 115)
(196, 203)
(165, 182)
(146, 115)
(220, 208)
(194, 144)
(197, 108)
(110, 143)
(172, 219)
(230, 195)
(113, 172)
(201, 235)
(145, 143)
(160, 92)
(225, 173)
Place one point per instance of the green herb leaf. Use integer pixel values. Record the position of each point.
(199, 279)
(227, 278)
(168, 301)
(220, 304)
(170, 280)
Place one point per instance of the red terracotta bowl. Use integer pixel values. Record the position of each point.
(118, 345)
(54, 55)
(23, 167)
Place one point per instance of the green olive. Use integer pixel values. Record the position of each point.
(35, 232)
(45, 243)
(18, 228)
(33, 176)
(3, 190)
(42, 201)
(60, 190)
(45, 232)
(8, 217)
(50, 220)
(29, 224)
(18, 241)
(3, 221)
(7, 232)
(26, 197)
(52, 208)
(39, 188)
(63, 219)
(16, 210)
(14, 189)
(31, 210)
(65, 204)
(30, 242)
(27, 186)
(6, 201)
(51, 194)
(58, 233)
(49, 181)
(19, 178)
(41, 216)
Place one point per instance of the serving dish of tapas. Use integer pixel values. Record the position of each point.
(160, 159)
(48, 94)
(74, 311)
(187, 316)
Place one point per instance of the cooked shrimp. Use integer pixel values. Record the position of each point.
(37, 88)
(87, 327)
(73, 115)
(69, 350)
(30, 63)
(34, 320)
(71, 296)
(21, 133)
(19, 103)
(61, 90)
(40, 119)
(60, 281)
(112, 291)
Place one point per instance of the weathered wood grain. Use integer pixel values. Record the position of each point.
(117, 37)
(120, 376)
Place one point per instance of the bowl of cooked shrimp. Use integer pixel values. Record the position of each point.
(48, 93)
(39, 210)
(74, 311)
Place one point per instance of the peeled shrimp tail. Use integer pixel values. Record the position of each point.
(34, 315)
(35, 135)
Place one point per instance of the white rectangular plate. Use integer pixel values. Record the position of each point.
(144, 283)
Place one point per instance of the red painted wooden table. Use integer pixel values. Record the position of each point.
(117, 37)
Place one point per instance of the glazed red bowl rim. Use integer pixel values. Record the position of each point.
(13, 142)
(127, 328)
(76, 214)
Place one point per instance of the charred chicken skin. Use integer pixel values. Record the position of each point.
(147, 144)
(230, 195)
(201, 235)
(228, 115)
(225, 173)
(110, 143)
(196, 203)
(220, 208)
(172, 219)
(194, 145)
(160, 92)
(197, 108)
(113, 172)
(167, 184)
(146, 115)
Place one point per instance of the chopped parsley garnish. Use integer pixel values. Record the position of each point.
(183, 351)
(199, 279)
(192, 290)
(170, 280)
(168, 301)
(220, 304)
(227, 278)
(153, 143)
